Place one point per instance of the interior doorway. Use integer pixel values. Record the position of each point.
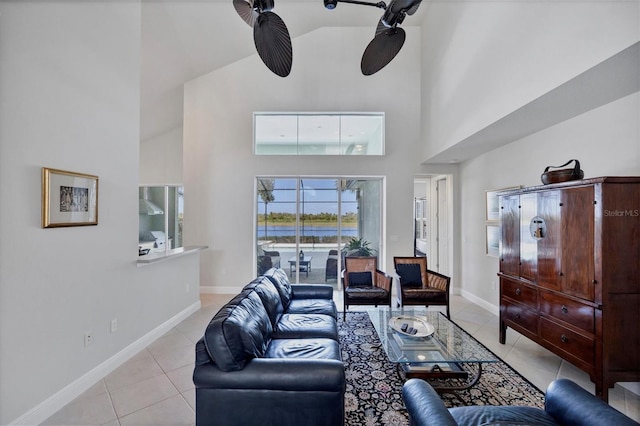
(433, 220)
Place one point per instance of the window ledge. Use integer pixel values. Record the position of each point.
(169, 254)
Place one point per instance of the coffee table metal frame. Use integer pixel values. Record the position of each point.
(450, 353)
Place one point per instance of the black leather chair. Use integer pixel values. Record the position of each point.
(566, 403)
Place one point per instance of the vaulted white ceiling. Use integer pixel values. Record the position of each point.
(182, 40)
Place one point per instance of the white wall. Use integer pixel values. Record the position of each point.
(606, 141)
(161, 158)
(482, 60)
(219, 167)
(70, 84)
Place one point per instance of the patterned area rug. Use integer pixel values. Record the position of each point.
(374, 389)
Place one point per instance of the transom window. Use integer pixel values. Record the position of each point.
(318, 133)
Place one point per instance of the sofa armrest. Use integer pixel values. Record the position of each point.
(275, 374)
(566, 401)
(424, 405)
(312, 291)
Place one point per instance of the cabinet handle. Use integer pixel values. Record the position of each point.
(518, 291)
(517, 316)
(563, 339)
(560, 274)
(595, 281)
(564, 309)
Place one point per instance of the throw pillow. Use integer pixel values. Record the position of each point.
(409, 275)
(360, 279)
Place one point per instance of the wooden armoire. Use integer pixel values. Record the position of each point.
(570, 273)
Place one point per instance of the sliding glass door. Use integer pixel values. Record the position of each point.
(305, 225)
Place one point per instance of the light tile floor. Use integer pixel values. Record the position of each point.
(155, 387)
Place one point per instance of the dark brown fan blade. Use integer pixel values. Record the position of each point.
(246, 11)
(382, 49)
(381, 27)
(273, 43)
(413, 9)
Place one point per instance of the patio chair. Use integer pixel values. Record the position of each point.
(364, 283)
(419, 285)
(331, 266)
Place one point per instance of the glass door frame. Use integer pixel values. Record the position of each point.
(299, 188)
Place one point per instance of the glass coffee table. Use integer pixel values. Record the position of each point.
(438, 350)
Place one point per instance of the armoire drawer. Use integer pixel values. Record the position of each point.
(520, 293)
(520, 315)
(568, 310)
(574, 344)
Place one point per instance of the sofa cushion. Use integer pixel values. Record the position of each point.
(240, 331)
(409, 274)
(269, 296)
(313, 306)
(360, 279)
(501, 415)
(304, 348)
(366, 292)
(297, 326)
(279, 278)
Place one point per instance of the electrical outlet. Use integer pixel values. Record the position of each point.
(114, 325)
(88, 339)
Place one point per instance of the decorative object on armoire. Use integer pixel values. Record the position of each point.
(570, 273)
(68, 198)
(562, 175)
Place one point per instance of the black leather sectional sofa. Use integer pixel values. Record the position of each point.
(271, 356)
(566, 403)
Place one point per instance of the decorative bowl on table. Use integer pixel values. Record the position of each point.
(411, 326)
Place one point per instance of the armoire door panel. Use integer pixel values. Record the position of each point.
(549, 239)
(528, 244)
(510, 235)
(577, 242)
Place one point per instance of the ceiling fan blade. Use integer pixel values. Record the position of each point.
(381, 27)
(381, 50)
(273, 43)
(246, 11)
(413, 9)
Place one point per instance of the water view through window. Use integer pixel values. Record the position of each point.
(303, 225)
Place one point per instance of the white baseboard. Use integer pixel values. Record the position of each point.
(54, 403)
(495, 310)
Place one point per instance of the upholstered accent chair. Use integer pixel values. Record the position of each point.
(419, 285)
(364, 283)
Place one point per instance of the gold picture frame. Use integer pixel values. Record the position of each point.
(68, 198)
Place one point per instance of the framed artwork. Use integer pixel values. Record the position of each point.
(492, 210)
(492, 221)
(491, 202)
(493, 240)
(68, 198)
